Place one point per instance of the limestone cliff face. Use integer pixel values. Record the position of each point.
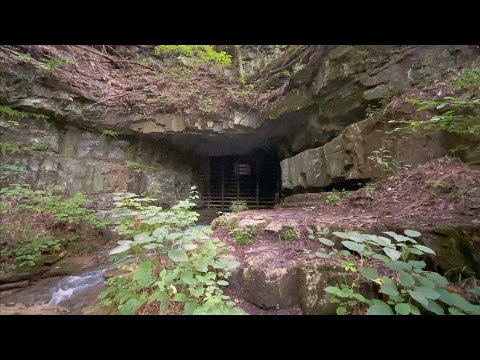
(169, 111)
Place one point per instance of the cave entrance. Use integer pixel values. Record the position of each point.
(253, 178)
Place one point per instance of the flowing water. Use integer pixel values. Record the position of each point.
(74, 284)
(73, 292)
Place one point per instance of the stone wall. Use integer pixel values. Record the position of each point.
(346, 157)
(86, 161)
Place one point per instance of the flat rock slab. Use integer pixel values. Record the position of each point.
(42, 309)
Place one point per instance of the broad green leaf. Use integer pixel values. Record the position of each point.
(381, 257)
(424, 281)
(406, 280)
(402, 309)
(380, 309)
(361, 298)
(424, 249)
(380, 240)
(151, 246)
(178, 255)
(196, 291)
(455, 311)
(188, 278)
(388, 287)
(475, 291)
(353, 246)
(399, 265)
(190, 307)
(434, 307)
(436, 277)
(341, 235)
(326, 241)
(119, 249)
(398, 237)
(190, 246)
(160, 233)
(414, 310)
(419, 296)
(369, 273)
(173, 236)
(143, 238)
(322, 254)
(412, 233)
(143, 274)
(415, 251)
(417, 264)
(180, 297)
(222, 282)
(392, 254)
(341, 310)
(130, 307)
(125, 242)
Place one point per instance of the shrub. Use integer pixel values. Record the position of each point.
(409, 289)
(178, 268)
(238, 206)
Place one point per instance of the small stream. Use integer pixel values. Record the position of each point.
(71, 285)
(74, 292)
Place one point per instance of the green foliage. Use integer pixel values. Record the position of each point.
(372, 110)
(24, 58)
(454, 115)
(10, 173)
(177, 267)
(369, 192)
(335, 197)
(6, 148)
(201, 53)
(63, 210)
(111, 133)
(134, 166)
(28, 254)
(409, 289)
(180, 72)
(288, 235)
(297, 68)
(387, 163)
(237, 206)
(243, 235)
(53, 64)
(469, 77)
(8, 111)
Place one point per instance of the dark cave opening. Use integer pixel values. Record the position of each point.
(254, 178)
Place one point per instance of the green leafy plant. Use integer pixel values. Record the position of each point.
(372, 110)
(177, 268)
(243, 235)
(469, 77)
(53, 64)
(387, 163)
(6, 148)
(28, 254)
(63, 210)
(288, 235)
(10, 173)
(111, 133)
(237, 206)
(335, 197)
(369, 192)
(201, 53)
(297, 68)
(7, 111)
(455, 115)
(409, 289)
(134, 166)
